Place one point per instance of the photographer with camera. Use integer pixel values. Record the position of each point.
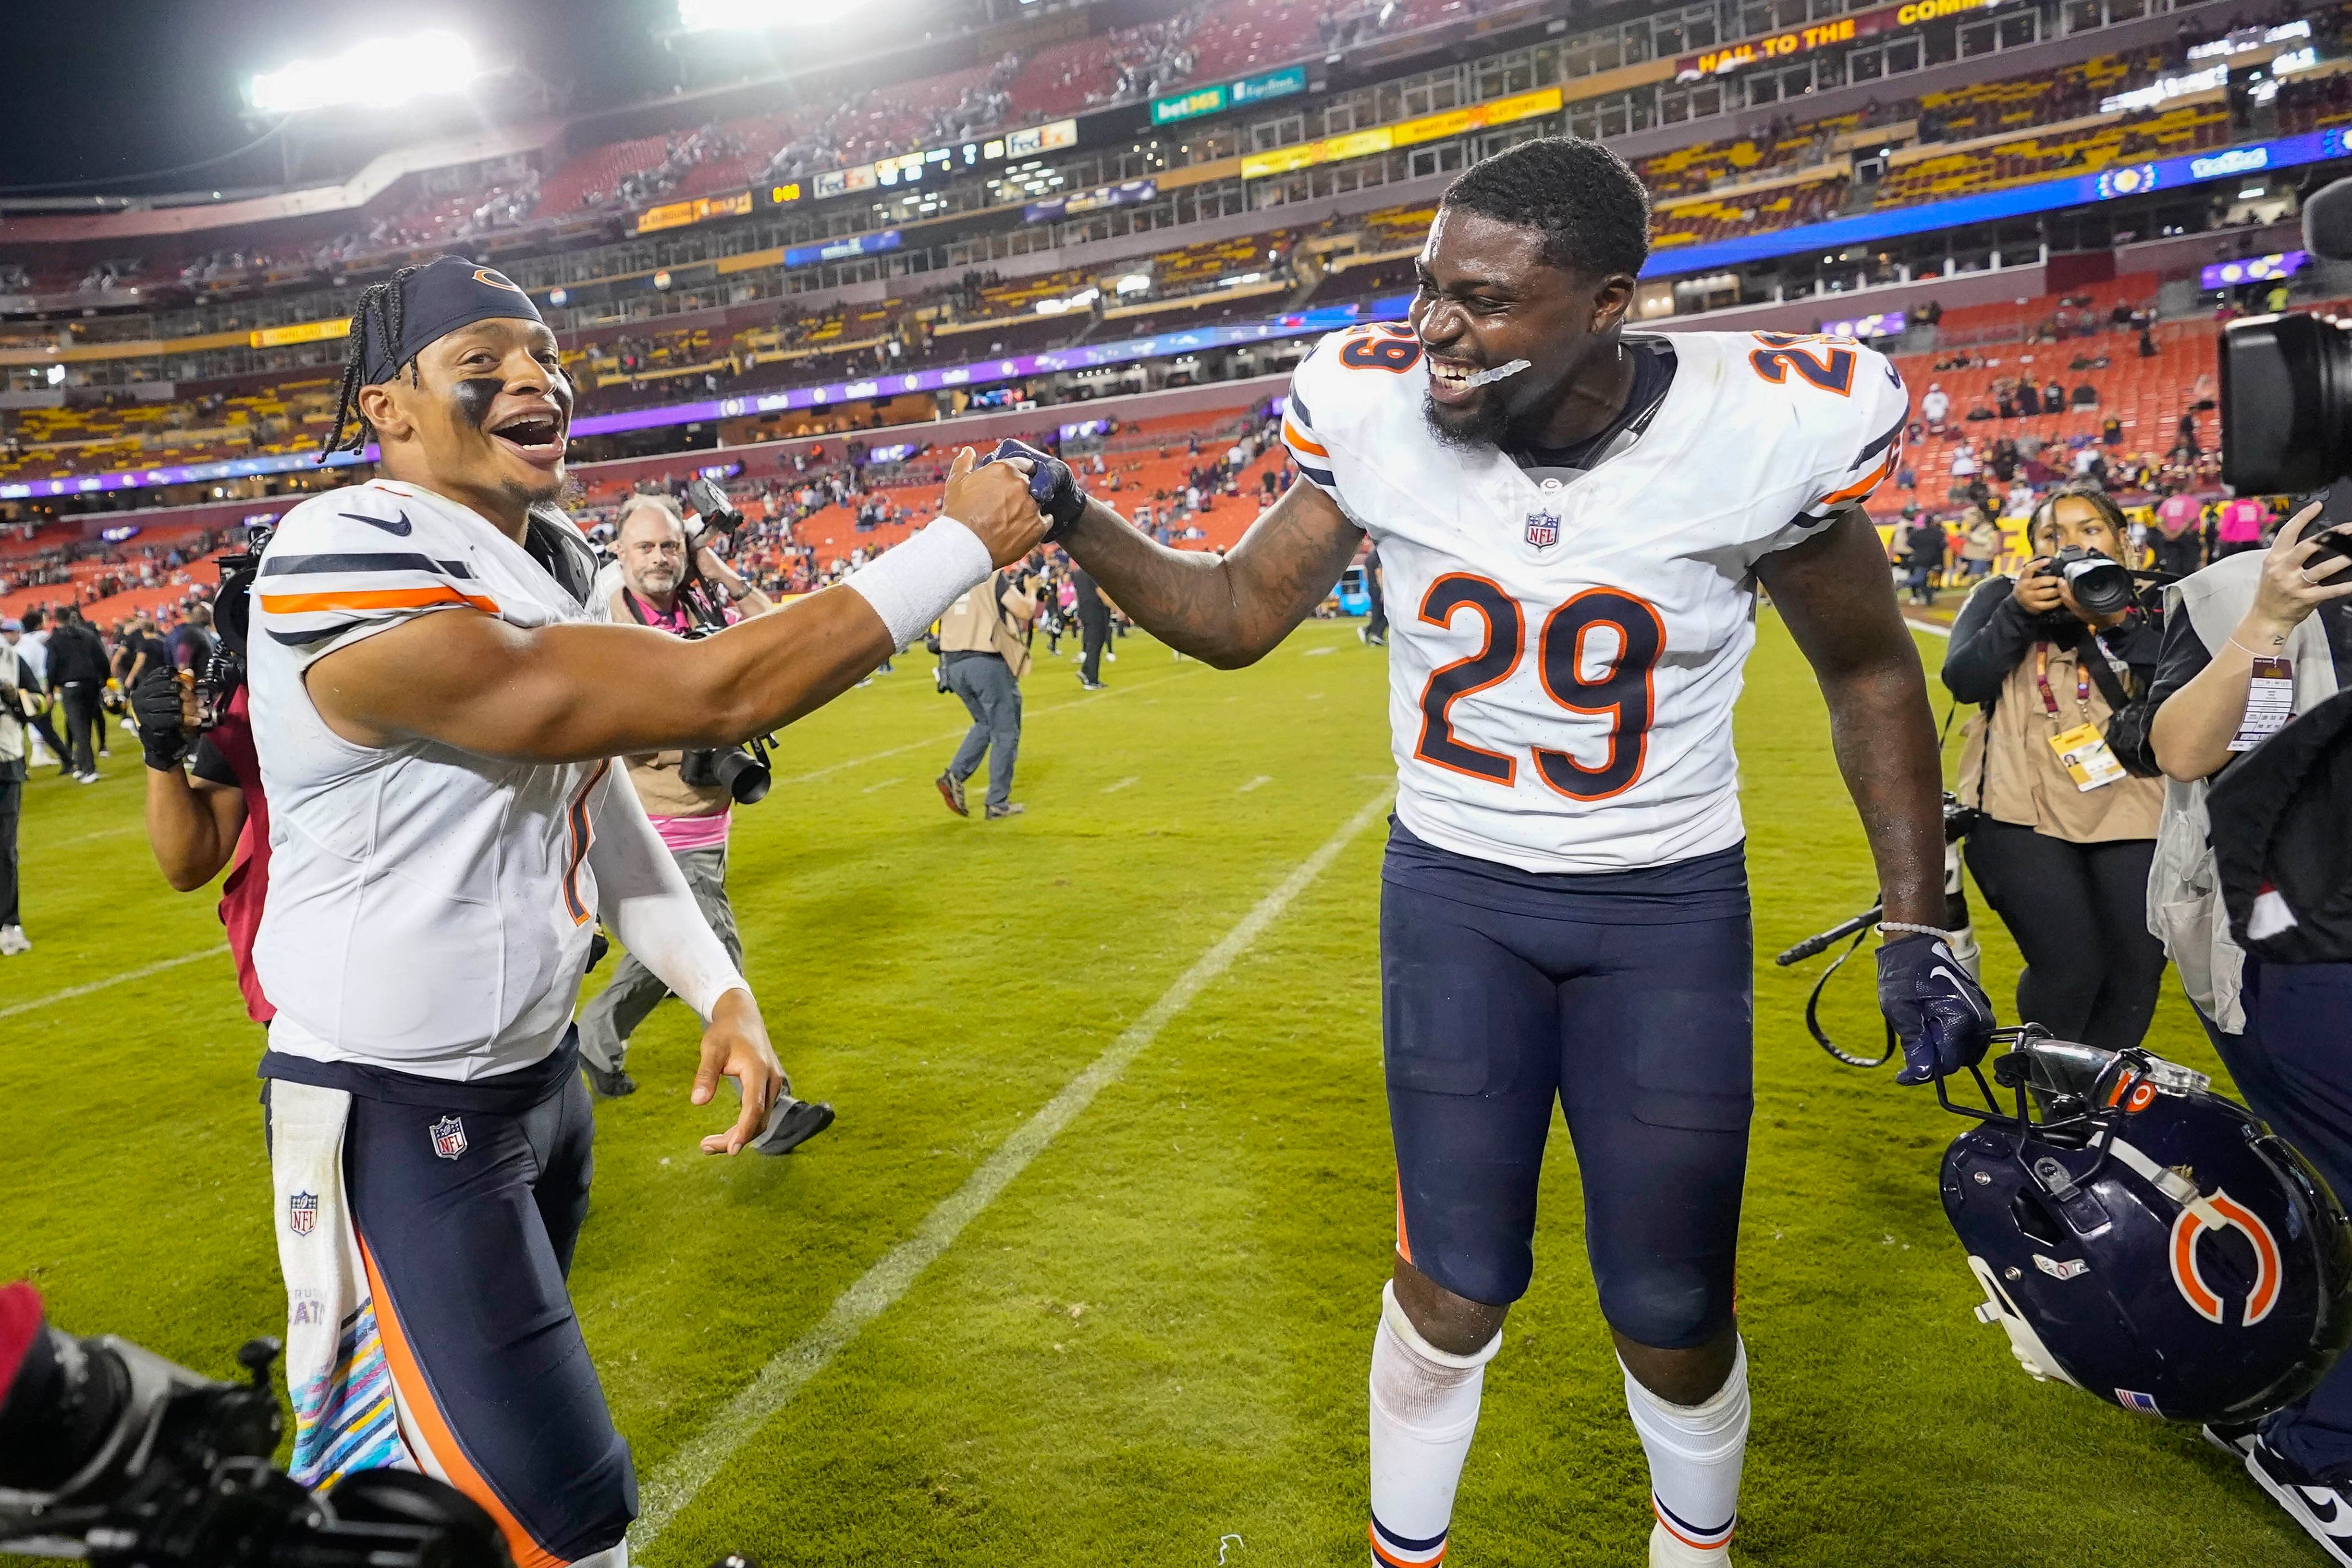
(204, 803)
(685, 589)
(2064, 828)
(2251, 643)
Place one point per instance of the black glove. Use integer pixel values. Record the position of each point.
(1941, 1016)
(155, 705)
(1052, 486)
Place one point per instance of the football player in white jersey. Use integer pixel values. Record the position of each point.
(1574, 521)
(434, 707)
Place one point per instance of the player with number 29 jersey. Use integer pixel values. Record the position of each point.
(1563, 644)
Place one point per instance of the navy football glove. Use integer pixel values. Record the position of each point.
(1941, 1016)
(1052, 486)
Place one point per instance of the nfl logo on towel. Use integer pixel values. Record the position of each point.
(303, 1212)
(448, 1138)
(1543, 529)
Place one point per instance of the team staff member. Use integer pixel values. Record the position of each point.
(984, 650)
(33, 649)
(692, 820)
(1575, 550)
(20, 696)
(78, 674)
(2063, 843)
(2278, 1028)
(434, 704)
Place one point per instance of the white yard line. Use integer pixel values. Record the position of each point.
(1260, 779)
(71, 992)
(1930, 627)
(1122, 784)
(672, 1488)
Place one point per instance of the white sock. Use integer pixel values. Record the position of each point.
(1694, 1452)
(1424, 1409)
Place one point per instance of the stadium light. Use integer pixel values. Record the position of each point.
(374, 75)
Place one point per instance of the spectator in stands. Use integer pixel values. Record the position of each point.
(2028, 401)
(2053, 398)
(983, 657)
(78, 673)
(2067, 835)
(1935, 407)
(2111, 431)
(20, 696)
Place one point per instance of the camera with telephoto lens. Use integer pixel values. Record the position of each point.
(2101, 585)
(743, 771)
(707, 508)
(2287, 381)
(111, 1454)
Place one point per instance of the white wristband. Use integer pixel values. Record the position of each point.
(912, 586)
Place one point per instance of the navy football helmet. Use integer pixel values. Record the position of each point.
(2142, 1237)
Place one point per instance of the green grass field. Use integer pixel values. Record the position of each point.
(1155, 1337)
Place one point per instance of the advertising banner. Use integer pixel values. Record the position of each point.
(1822, 35)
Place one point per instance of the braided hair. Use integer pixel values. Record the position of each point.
(379, 304)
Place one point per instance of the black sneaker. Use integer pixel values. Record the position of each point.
(2323, 1507)
(793, 1123)
(610, 1082)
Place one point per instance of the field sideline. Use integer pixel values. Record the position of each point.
(1154, 1337)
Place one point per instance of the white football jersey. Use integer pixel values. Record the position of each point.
(429, 910)
(1565, 655)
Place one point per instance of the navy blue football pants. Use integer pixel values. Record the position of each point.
(1625, 997)
(467, 1203)
(2291, 1068)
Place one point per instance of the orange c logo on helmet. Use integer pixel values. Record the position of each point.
(496, 279)
(2202, 1297)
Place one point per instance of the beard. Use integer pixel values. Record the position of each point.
(1485, 423)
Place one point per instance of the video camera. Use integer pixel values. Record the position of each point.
(109, 1453)
(2286, 381)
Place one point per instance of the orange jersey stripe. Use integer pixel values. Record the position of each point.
(1292, 434)
(373, 599)
(416, 1399)
(1863, 486)
(1405, 1243)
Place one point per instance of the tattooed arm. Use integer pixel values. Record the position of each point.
(1229, 612)
(1833, 594)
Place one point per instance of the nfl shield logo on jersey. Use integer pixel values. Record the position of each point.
(1543, 529)
(448, 1138)
(303, 1212)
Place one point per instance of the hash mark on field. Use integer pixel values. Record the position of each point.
(1260, 779)
(1115, 788)
(677, 1484)
(1320, 652)
(885, 784)
(71, 992)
